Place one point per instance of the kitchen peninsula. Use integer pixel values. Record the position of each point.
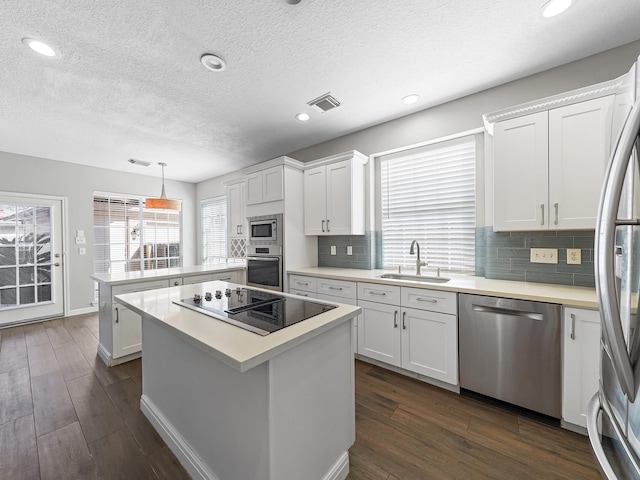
(234, 404)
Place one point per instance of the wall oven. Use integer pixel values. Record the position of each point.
(264, 266)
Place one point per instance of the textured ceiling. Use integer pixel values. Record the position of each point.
(129, 82)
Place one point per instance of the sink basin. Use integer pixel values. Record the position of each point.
(414, 278)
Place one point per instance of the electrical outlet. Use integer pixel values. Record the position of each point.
(544, 255)
(333, 249)
(81, 240)
(82, 251)
(574, 256)
(349, 250)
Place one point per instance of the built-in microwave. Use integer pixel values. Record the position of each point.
(265, 230)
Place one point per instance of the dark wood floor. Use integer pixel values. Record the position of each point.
(65, 415)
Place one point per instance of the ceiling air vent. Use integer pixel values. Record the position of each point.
(324, 103)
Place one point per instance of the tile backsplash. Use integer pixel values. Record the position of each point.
(505, 256)
(499, 255)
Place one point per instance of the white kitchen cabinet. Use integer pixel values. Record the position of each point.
(127, 325)
(423, 340)
(334, 197)
(581, 363)
(549, 166)
(236, 216)
(265, 185)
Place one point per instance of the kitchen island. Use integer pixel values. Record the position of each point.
(232, 404)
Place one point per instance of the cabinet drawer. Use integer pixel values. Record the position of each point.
(337, 288)
(302, 293)
(432, 300)
(139, 287)
(374, 292)
(307, 284)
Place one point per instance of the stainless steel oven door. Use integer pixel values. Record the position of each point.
(264, 272)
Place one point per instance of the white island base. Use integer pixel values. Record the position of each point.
(289, 418)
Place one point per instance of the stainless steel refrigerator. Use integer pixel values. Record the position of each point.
(613, 418)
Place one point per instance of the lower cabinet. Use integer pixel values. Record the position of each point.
(422, 340)
(581, 363)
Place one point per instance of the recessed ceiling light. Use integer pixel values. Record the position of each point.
(213, 62)
(303, 117)
(39, 47)
(555, 7)
(411, 99)
(292, 2)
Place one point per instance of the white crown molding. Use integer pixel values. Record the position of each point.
(560, 100)
(284, 160)
(338, 157)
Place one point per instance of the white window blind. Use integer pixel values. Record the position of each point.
(214, 230)
(129, 237)
(428, 195)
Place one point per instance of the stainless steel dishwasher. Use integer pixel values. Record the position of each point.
(510, 350)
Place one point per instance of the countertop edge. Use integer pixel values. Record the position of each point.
(161, 274)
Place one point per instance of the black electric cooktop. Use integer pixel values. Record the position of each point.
(254, 310)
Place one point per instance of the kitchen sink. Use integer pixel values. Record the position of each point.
(414, 278)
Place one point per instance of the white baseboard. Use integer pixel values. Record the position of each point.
(104, 354)
(180, 448)
(340, 470)
(82, 311)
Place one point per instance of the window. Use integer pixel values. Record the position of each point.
(214, 230)
(428, 194)
(129, 237)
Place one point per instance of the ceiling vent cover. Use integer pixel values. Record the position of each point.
(324, 103)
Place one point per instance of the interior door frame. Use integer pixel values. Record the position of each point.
(63, 244)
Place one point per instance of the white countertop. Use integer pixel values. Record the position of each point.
(579, 297)
(236, 347)
(130, 277)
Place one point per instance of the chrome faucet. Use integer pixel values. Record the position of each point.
(419, 263)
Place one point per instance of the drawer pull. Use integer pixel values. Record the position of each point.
(175, 284)
(373, 292)
(334, 288)
(303, 283)
(430, 300)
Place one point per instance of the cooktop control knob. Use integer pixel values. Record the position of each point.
(197, 298)
(218, 294)
(238, 290)
(208, 296)
(227, 292)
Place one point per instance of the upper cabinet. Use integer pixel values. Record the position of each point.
(265, 185)
(236, 217)
(334, 195)
(549, 166)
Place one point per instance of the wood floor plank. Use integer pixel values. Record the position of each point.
(13, 355)
(97, 415)
(12, 335)
(64, 454)
(71, 361)
(42, 360)
(35, 334)
(52, 405)
(59, 336)
(166, 465)
(18, 452)
(15, 395)
(117, 456)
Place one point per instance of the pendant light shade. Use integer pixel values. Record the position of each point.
(162, 202)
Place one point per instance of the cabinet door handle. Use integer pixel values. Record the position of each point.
(542, 211)
(323, 225)
(404, 324)
(328, 225)
(573, 327)
(430, 300)
(117, 315)
(395, 319)
(555, 205)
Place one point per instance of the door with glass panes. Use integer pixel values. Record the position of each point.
(31, 272)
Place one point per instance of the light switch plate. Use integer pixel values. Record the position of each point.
(349, 250)
(82, 251)
(81, 240)
(544, 255)
(574, 256)
(333, 249)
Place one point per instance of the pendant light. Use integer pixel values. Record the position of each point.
(162, 202)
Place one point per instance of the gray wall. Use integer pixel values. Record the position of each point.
(23, 174)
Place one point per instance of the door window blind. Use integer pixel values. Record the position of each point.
(214, 230)
(129, 237)
(428, 195)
